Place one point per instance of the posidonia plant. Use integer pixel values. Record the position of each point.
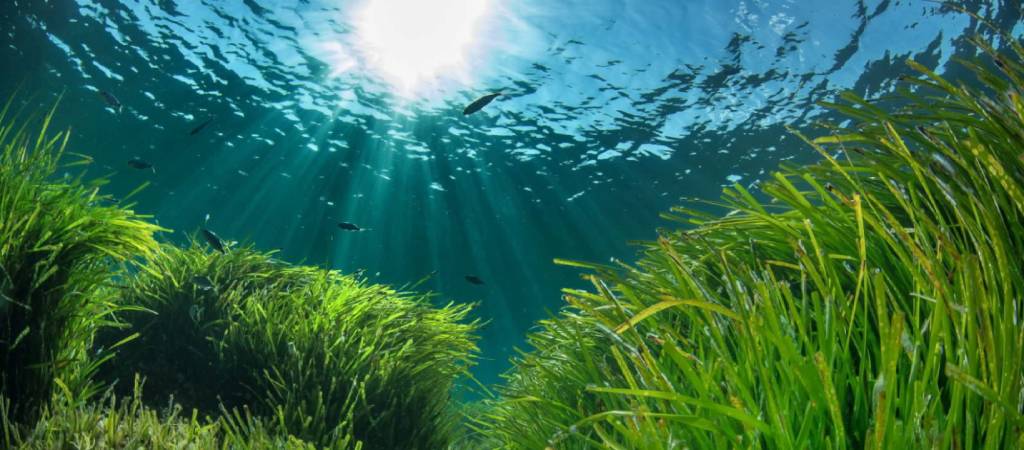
(127, 422)
(873, 300)
(315, 354)
(60, 241)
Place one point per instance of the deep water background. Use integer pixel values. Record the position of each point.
(614, 110)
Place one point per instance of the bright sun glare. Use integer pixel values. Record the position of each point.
(410, 41)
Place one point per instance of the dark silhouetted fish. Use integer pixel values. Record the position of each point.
(203, 283)
(140, 164)
(349, 226)
(214, 240)
(112, 101)
(199, 128)
(474, 279)
(479, 103)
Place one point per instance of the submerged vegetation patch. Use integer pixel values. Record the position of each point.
(59, 243)
(873, 300)
(128, 422)
(323, 356)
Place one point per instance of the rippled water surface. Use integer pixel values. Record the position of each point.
(322, 111)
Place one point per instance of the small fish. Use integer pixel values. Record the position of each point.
(199, 128)
(349, 226)
(203, 283)
(474, 279)
(112, 101)
(140, 164)
(479, 103)
(214, 240)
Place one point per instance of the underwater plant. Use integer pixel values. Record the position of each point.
(60, 240)
(307, 352)
(873, 300)
(127, 422)
(110, 422)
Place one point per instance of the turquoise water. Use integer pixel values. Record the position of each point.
(327, 111)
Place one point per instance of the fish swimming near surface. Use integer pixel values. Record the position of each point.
(350, 227)
(474, 279)
(112, 101)
(479, 103)
(140, 164)
(214, 240)
(200, 127)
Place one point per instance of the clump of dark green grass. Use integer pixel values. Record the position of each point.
(311, 353)
(58, 246)
(874, 300)
(183, 302)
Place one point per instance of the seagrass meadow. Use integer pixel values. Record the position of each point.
(871, 300)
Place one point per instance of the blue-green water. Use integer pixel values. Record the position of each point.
(322, 112)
